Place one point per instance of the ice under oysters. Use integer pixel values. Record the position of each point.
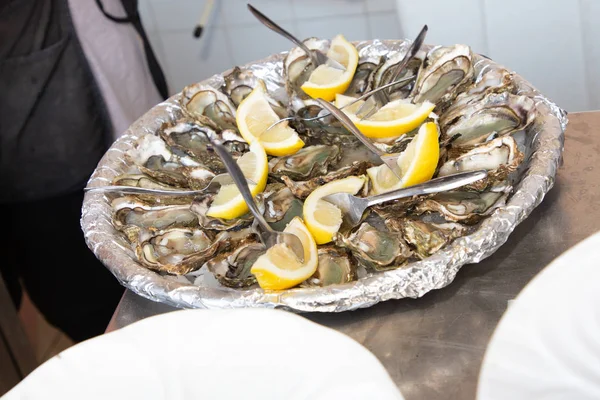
(222, 126)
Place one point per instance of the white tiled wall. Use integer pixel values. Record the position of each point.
(234, 36)
(552, 43)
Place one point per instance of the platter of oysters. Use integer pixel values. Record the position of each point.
(165, 214)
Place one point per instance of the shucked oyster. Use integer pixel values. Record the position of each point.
(498, 114)
(195, 140)
(177, 250)
(335, 267)
(232, 266)
(132, 214)
(302, 189)
(154, 158)
(375, 248)
(465, 207)
(445, 71)
(325, 130)
(383, 75)
(491, 79)
(280, 204)
(308, 162)
(499, 157)
(238, 84)
(425, 238)
(362, 82)
(205, 101)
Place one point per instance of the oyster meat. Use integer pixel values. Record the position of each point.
(442, 76)
(280, 204)
(497, 113)
(335, 267)
(168, 166)
(375, 248)
(362, 82)
(177, 250)
(307, 163)
(499, 157)
(425, 238)
(205, 101)
(465, 207)
(232, 266)
(383, 75)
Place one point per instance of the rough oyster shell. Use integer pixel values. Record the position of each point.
(177, 250)
(383, 75)
(425, 238)
(335, 267)
(499, 157)
(306, 163)
(374, 248)
(496, 113)
(443, 74)
(232, 266)
(200, 100)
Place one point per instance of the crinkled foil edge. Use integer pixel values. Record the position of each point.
(414, 280)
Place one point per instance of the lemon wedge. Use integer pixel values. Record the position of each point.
(279, 268)
(322, 218)
(255, 115)
(341, 100)
(228, 202)
(417, 163)
(394, 119)
(325, 82)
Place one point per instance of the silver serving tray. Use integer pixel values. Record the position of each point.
(413, 280)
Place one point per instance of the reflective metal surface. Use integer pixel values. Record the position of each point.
(433, 346)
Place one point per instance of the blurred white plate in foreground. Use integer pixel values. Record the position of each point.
(213, 354)
(547, 345)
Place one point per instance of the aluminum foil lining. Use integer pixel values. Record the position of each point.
(413, 280)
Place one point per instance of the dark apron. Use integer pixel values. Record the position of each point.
(54, 126)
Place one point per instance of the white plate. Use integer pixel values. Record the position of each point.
(213, 354)
(547, 345)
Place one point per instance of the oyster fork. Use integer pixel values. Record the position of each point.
(353, 207)
(268, 236)
(317, 57)
(374, 103)
(217, 180)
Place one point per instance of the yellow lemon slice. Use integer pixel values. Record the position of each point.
(255, 115)
(325, 82)
(394, 119)
(417, 163)
(228, 202)
(279, 268)
(322, 218)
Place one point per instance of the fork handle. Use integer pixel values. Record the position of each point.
(240, 181)
(266, 21)
(433, 186)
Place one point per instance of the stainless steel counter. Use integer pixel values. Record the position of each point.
(433, 346)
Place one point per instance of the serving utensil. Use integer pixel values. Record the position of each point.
(374, 103)
(353, 207)
(317, 57)
(214, 184)
(268, 236)
(364, 96)
(389, 159)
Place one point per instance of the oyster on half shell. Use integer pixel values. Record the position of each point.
(444, 73)
(496, 113)
(499, 157)
(335, 267)
(425, 238)
(307, 163)
(200, 101)
(177, 250)
(374, 248)
(232, 266)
